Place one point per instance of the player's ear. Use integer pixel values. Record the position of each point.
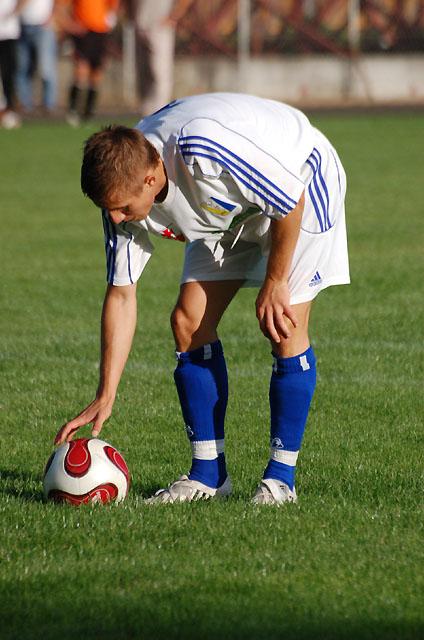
(150, 180)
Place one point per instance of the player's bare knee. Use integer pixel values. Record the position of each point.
(298, 341)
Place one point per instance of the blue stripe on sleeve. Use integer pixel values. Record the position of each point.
(313, 199)
(231, 170)
(112, 252)
(221, 159)
(108, 242)
(318, 191)
(324, 187)
(131, 237)
(216, 147)
(316, 207)
(115, 241)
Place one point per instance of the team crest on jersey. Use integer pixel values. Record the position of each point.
(219, 207)
(171, 235)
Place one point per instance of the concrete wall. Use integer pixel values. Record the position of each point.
(304, 80)
(311, 79)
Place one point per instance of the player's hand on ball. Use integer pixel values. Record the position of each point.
(273, 310)
(97, 413)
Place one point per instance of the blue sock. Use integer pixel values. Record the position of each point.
(290, 394)
(202, 385)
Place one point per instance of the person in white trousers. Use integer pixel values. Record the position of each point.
(156, 22)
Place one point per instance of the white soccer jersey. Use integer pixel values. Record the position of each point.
(233, 162)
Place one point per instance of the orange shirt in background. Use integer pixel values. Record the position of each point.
(95, 15)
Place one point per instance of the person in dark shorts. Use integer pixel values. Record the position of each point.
(89, 22)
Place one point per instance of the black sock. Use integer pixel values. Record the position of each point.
(74, 97)
(90, 102)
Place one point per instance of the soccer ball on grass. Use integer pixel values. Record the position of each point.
(86, 470)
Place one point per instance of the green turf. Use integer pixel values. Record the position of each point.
(347, 561)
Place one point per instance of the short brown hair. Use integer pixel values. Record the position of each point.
(115, 158)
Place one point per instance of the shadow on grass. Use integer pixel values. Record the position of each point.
(237, 623)
(20, 484)
(26, 486)
(144, 490)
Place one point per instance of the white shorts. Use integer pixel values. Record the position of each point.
(320, 259)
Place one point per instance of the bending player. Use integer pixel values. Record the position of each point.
(258, 195)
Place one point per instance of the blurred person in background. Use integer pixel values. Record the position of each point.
(156, 22)
(9, 34)
(89, 22)
(37, 49)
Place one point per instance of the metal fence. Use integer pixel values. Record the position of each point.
(299, 51)
(340, 27)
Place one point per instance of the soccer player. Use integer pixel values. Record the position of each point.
(257, 193)
(90, 23)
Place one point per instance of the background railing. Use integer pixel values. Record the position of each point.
(303, 26)
(307, 52)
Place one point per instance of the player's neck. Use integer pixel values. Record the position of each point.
(162, 181)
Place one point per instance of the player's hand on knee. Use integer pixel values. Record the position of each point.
(96, 413)
(273, 311)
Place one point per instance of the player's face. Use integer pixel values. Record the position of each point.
(125, 207)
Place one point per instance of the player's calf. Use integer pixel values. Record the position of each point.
(291, 390)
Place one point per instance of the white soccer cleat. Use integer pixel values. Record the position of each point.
(272, 491)
(186, 490)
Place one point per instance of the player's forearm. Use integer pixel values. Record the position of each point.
(284, 236)
(119, 319)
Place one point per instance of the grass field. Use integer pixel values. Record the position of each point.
(347, 561)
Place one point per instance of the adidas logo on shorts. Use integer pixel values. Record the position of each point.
(315, 280)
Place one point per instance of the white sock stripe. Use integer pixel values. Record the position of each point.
(286, 457)
(303, 361)
(207, 449)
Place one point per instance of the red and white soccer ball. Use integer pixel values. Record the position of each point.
(86, 470)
